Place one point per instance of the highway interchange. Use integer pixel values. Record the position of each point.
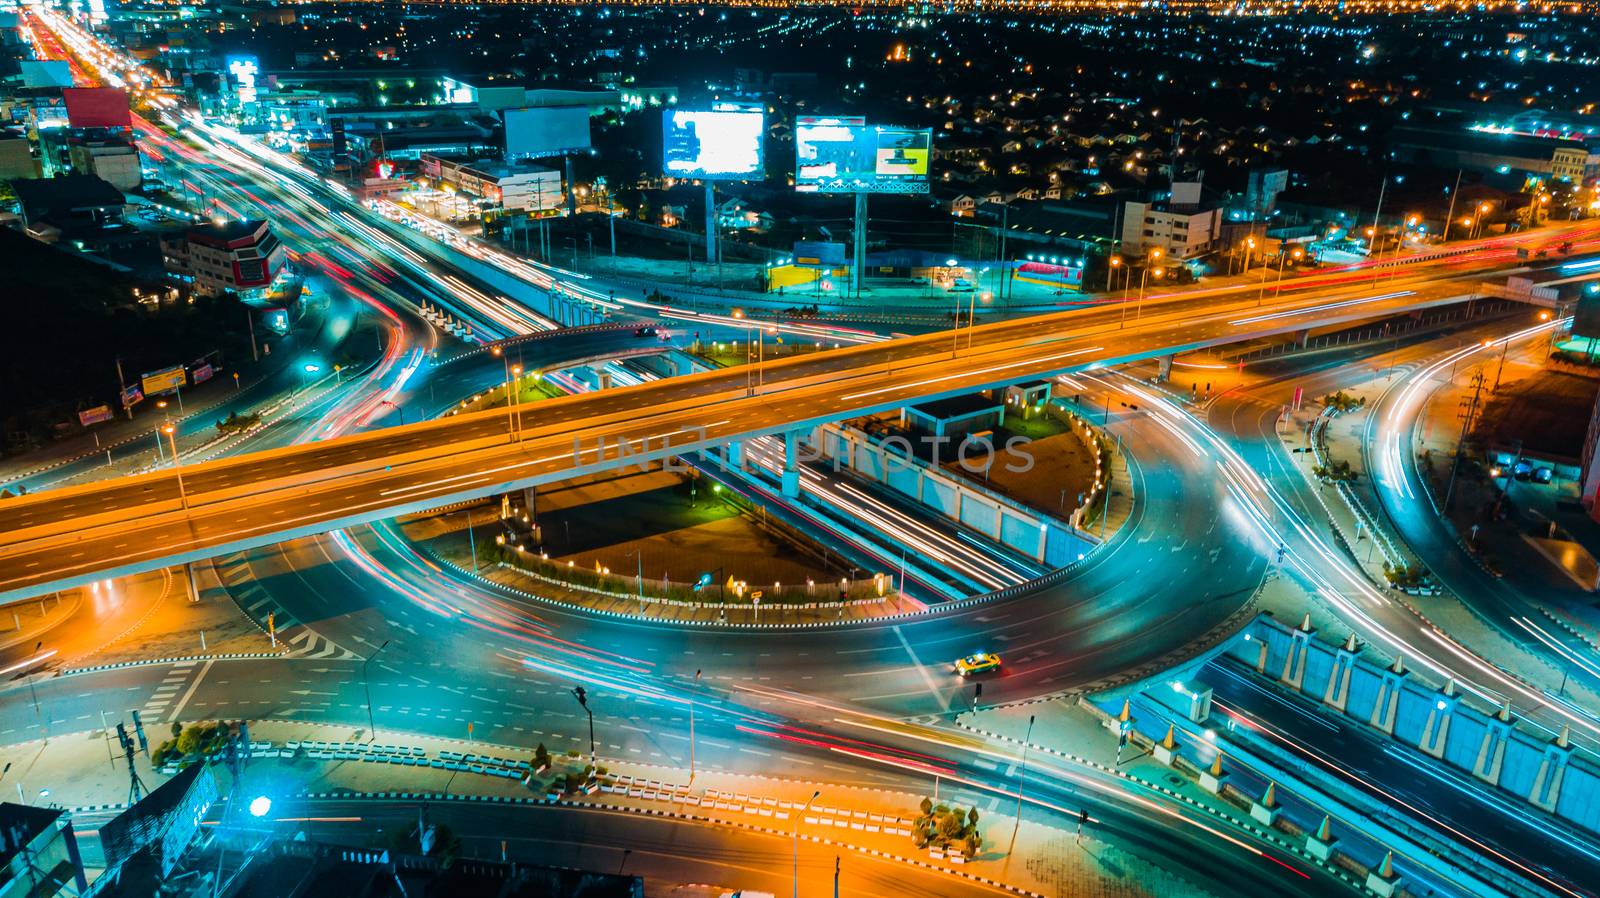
(859, 705)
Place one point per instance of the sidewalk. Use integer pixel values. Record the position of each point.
(30, 620)
(330, 762)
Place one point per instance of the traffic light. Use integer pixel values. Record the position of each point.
(138, 730)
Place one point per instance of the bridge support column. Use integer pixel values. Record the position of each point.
(1337, 695)
(1436, 731)
(791, 470)
(733, 454)
(1546, 789)
(1492, 750)
(1302, 338)
(1387, 706)
(605, 378)
(1164, 373)
(1294, 666)
(681, 365)
(192, 586)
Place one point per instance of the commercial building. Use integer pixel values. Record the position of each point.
(70, 204)
(16, 156)
(1178, 226)
(38, 853)
(241, 256)
(1498, 153)
(522, 188)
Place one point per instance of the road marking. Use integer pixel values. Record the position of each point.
(944, 703)
(178, 708)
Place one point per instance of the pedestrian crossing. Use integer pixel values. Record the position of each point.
(262, 607)
(168, 696)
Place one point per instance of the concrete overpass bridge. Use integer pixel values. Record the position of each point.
(118, 527)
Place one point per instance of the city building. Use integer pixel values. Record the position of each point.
(1178, 226)
(70, 204)
(239, 256)
(16, 156)
(522, 188)
(113, 159)
(39, 853)
(1498, 153)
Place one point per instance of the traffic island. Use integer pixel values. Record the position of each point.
(654, 545)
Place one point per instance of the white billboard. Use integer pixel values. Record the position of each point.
(721, 143)
(843, 155)
(546, 131)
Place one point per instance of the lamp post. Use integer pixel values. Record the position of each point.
(177, 464)
(1155, 254)
(1277, 287)
(691, 724)
(583, 699)
(797, 840)
(372, 726)
(1112, 265)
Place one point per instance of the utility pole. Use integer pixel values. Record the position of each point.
(1468, 414)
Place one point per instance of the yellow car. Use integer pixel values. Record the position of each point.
(981, 662)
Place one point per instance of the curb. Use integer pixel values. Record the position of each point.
(669, 815)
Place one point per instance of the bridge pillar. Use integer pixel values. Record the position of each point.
(605, 378)
(1492, 750)
(1337, 695)
(791, 470)
(1387, 705)
(192, 587)
(681, 365)
(1164, 373)
(1436, 731)
(1294, 666)
(1302, 338)
(1546, 789)
(733, 454)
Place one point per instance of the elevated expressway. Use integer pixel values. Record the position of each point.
(118, 527)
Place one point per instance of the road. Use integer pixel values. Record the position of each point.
(123, 526)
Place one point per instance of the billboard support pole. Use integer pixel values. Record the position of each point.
(858, 262)
(711, 227)
(572, 189)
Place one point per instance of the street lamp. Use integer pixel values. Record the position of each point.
(177, 465)
(372, 726)
(583, 699)
(1155, 254)
(797, 840)
(1111, 271)
(1277, 288)
(691, 725)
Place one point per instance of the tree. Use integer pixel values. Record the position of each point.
(541, 757)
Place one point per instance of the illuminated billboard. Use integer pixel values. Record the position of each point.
(97, 107)
(544, 131)
(844, 155)
(243, 72)
(718, 144)
(157, 382)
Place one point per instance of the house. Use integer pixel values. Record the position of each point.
(964, 206)
(71, 204)
(738, 215)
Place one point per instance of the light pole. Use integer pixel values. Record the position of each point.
(177, 465)
(583, 699)
(1277, 287)
(1139, 310)
(691, 724)
(372, 726)
(1112, 265)
(797, 840)
(1022, 772)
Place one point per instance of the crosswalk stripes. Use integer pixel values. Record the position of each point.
(167, 693)
(259, 604)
